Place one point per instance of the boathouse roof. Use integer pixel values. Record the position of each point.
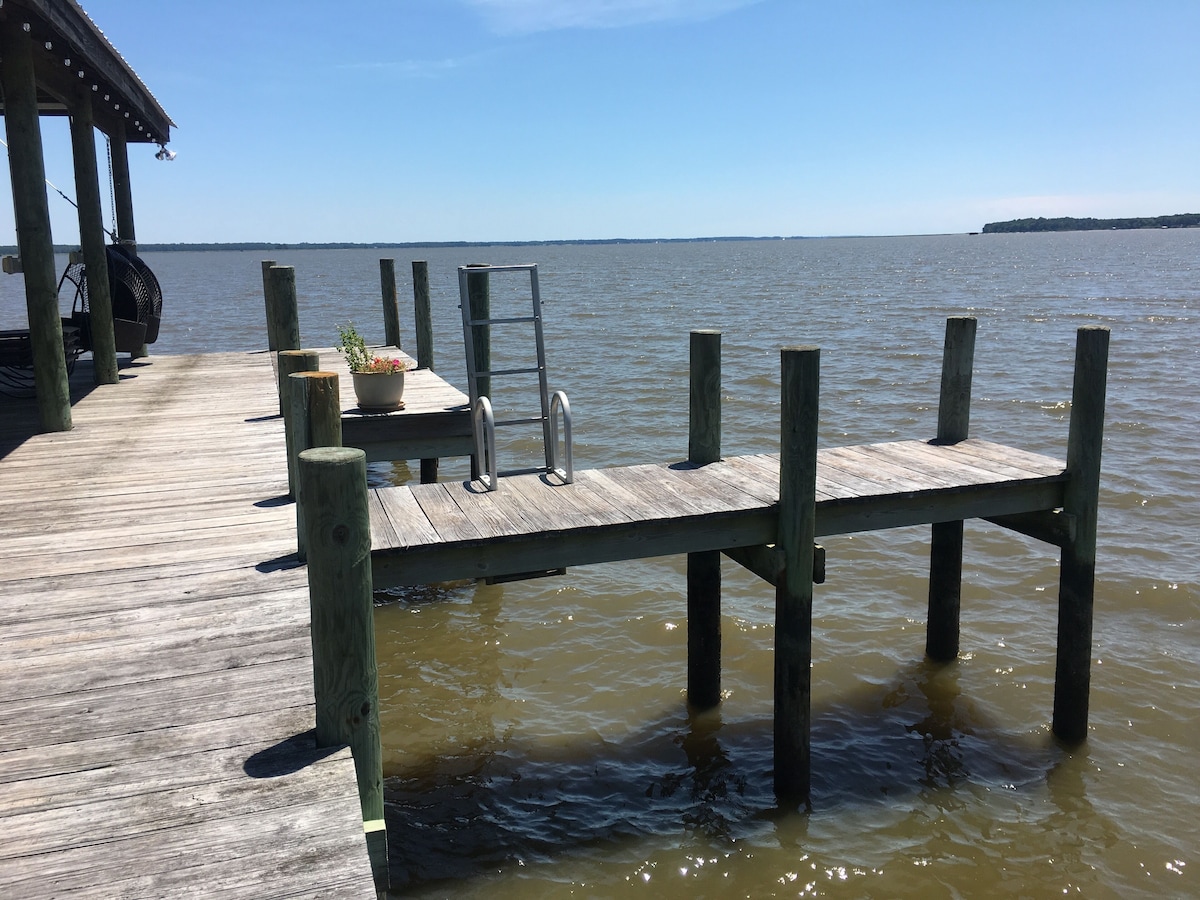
(72, 52)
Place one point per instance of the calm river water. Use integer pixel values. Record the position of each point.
(537, 738)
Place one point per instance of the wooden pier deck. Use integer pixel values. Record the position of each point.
(156, 696)
(440, 532)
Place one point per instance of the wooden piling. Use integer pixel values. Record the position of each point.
(479, 298)
(272, 342)
(1077, 572)
(289, 362)
(282, 314)
(799, 395)
(422, 314)
(391, 308)
(91, 240)
(315, 421)
(423, 327)
(32, 214)
(946, 542)
(345, 681)
(704, 568)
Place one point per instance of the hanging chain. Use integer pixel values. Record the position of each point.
(112, 195)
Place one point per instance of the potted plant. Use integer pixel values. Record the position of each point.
(378, 380)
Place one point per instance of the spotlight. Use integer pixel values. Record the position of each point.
(165, 154)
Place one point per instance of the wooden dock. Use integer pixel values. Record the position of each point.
(442, 532)
(764, 511)
(156, 697)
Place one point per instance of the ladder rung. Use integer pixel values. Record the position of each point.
(529, 471)
(509, 321)
(528, 421)
(495, 372)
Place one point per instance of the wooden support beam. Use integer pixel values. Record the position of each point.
(91, 240)
(704, 568)
(799, 394)
(423, 327)
(1077, 572)
(946, 542)
(32, 215)
(765, 561)
(345, 680)
(391, 308)
(479, 301)
(315, 421)
(1052, 526)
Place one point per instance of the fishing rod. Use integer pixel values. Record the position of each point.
(58, 190)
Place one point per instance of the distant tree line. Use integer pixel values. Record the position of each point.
(1182, 220)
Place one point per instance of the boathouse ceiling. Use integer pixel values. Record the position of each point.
(71, 56)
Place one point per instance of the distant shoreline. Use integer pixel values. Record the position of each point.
(1180, 220)
(149, 247)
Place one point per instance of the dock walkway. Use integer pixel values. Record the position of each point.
(156, 697)
(441, 532)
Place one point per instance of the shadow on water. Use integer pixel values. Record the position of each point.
(502, 804)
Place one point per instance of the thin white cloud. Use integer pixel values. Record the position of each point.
(527, 16)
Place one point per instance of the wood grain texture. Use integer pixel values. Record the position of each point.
(156, 665)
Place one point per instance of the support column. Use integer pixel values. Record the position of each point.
(423, 327)
(91, 240)
(1077, 572)
(122, 192)
(946, 543)
(391, 309)
(35, 243)
(800, 394)
(704, 568)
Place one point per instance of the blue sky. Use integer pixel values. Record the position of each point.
(380, 120)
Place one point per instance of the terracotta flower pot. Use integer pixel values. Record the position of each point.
(379, 391)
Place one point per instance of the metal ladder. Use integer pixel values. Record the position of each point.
(553, 406)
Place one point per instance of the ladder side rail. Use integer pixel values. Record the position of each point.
(543, 386)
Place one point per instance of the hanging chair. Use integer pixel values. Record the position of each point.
(136, 300)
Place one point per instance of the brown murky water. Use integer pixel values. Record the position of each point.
(537, 738)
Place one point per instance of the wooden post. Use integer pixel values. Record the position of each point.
(91, 240)
(345, 681)
(422, 316)
(480, 299)
(272, 343)
(1077, 572)
(704, 568)
(946, 543)
(423, 326)
(122, 191)
(391, 309)
(290, 361)
(32, 214)
(315, 421)
(794, 589)
(282, 315)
